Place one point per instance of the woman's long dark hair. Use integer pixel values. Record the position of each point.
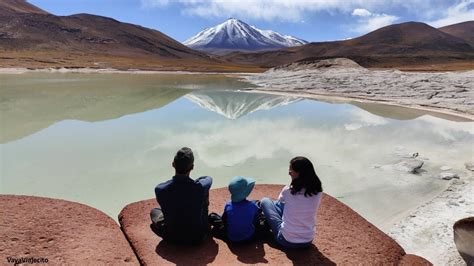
(306, 179)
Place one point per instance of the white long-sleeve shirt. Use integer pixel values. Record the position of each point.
(299, 215)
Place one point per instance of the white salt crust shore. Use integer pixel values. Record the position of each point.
(443, 92)
(428, 230)
(439, 112)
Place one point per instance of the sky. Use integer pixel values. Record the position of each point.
(311, 20)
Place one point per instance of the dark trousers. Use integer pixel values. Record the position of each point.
(158, 226)
(157, 221)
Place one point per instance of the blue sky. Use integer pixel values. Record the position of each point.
(312, 20)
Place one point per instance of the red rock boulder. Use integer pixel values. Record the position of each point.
(42, 230)
(343, 237)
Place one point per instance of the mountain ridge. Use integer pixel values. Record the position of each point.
(463, 30)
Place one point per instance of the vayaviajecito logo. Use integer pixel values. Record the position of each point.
(26, 260)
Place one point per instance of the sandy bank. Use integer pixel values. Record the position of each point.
(444, 92)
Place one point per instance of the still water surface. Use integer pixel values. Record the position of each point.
(107, 139)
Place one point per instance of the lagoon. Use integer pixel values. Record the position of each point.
(107, 140)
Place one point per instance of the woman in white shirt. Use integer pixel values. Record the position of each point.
(292, 218)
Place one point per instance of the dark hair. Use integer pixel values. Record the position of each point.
(306, 179)
(183, 160)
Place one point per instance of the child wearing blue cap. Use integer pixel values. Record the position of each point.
(241, 218)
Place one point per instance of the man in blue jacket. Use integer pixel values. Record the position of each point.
(184, 202)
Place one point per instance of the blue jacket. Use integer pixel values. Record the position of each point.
(185, 204)
(239, 219)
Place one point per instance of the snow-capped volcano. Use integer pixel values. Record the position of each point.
(234, 34)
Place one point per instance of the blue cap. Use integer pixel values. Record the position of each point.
(240, 187)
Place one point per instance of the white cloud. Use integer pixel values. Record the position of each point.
(361, 12)
(362, 119)
(460, 12)
(154, 3)
(221, 138)
(295, 10)
(265, 9)
(378, 21)
(447, 129)
(369, 21)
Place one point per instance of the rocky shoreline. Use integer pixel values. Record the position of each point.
(343, 79)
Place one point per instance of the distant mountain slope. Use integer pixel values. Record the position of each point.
(413, 36)
(30, 37)
(87, 33)
(18, 6)
(463, 30)
(234, 34)
(406, 43)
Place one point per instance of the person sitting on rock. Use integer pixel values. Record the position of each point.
(183, 214)
(292, 218)
(242, 218)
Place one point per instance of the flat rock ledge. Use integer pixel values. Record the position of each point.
(62, 232)
(343, 237)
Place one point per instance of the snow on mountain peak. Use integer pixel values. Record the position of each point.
(238, 35)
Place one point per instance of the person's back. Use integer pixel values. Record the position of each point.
(240, 219)
(299, 215)
(183, 217)
(184, 203)
(292, 218)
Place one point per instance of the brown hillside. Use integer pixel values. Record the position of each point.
(407, 44)
(463, 30)
(412, 37)
(9, 7)
(88, 33)
(39, 39)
